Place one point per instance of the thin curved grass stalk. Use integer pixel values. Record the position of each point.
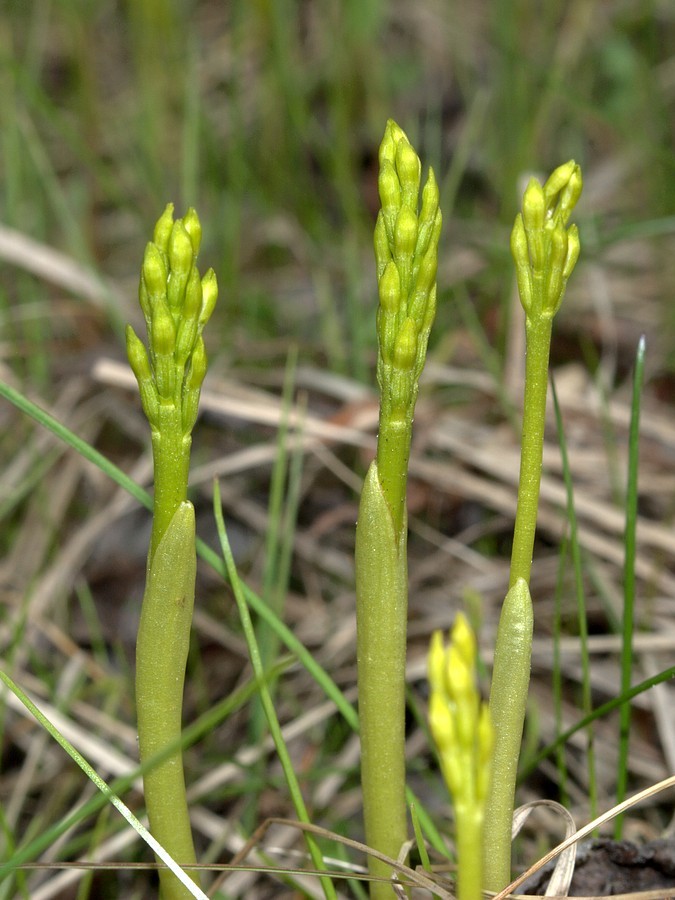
(265, 695)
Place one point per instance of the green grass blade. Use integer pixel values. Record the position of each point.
(209, 556)
(557, 685)
(581, 605)
(268, 706)
(629, 580)
(603, 710)
(77, 757)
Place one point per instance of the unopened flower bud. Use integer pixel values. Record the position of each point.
(209, 297)
(534, 206)
(389, 289)
(154, 273)
(405, 234)
(405, 349)
(163, 229)
(193, 227)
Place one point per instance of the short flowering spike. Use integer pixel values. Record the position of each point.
(176, 304)
(461, 727)
(406, 240)
(543, 248)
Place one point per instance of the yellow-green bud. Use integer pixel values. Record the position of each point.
(387, 150)
(181, 257)
(426, 279)
(185, 340)
(573, 249)
(163, 228)
(441, 723)
(405, 349)
(140, 366)
(382, 243)
(570, 194)
(558, 180)
(521, 257)
(138, 355)
(181, 254)
(209, 297)
(427, 322)
(558, 255)
(192, 304)
(193, 384)
(430, 217)
(408, 167)
(464, 640)
(163, 338)
(430, 198)
(389, 289)
(144, 300)
(154, 273)
(405, 234)
(534, 205)
(389, 188)
(454, 774)
(436, 663)
(198, 366)
(458, 676)
(193, 227)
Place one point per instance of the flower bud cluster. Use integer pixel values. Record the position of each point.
(177, 303)
(459, 721)
(406, 253)
(544, 249)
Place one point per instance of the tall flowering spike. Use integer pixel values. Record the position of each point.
(544, 249)
(406, 251)
(176, 304)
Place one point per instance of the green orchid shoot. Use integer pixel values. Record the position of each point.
(545, 250)
(406, 252)
(176, 303)
(462, 730)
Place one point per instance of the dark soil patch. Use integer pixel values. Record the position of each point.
(605, 868)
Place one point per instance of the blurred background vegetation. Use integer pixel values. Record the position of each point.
(266, 115)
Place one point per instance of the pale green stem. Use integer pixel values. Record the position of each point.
(511, 673)
(161, 655)
(468, 840)
(538, 337)
(381, 613)
(508, 702)
(393, 453)
(171, 462)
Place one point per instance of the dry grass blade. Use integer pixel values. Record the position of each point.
(586, 830)
(409, 876)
